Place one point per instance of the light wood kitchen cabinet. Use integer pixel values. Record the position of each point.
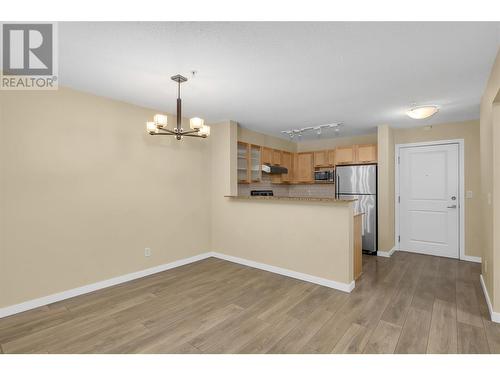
(276, 157)
(331, 158)
(243, 163)
(305, 167)
(255, 163)
(286, 161)
(321, 158)
(366, 153)
(267, 155)
(345, 155)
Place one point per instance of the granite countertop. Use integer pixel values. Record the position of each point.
(277, 198)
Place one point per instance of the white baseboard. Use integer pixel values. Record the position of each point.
(470, 258)
(344, 287)
(42, 301)
(495, 317)
(387, 254)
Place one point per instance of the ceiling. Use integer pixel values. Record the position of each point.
(276, 76)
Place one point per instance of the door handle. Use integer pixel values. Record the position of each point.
(452, 206)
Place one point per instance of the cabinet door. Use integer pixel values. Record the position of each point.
(344, 155)
(366, 154)
(295, 167)
(276, 157)
(331, 158)
(267, 155)
(255, 163)
(305, 167)
(243, 163)
(286, 161)
(321, 158)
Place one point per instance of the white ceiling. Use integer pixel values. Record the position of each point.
(274, 76)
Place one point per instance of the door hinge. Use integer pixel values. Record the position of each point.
(399, 198)
(399, 160)
(399, 238)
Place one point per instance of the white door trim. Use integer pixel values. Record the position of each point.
(461, 188)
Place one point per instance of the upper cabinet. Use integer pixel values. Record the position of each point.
(305, 167)
(243, 162)
(356, 154)
(321, 158)
(255, 163)
(276, 157)
(301, 166)
(267, 155)
(286, 161)
(366, 153)
(345, 155)
(324, 158)
(331, 157)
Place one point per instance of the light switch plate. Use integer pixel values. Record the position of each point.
(469, 194)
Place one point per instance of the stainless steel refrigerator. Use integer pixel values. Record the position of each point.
(360, 182)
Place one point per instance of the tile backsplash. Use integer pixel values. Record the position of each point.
(284, 190)
(278, 189)
(312, 190)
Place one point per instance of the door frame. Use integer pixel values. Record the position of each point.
(461, 188)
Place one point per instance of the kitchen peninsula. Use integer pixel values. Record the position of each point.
(356, 228)
(309, 238)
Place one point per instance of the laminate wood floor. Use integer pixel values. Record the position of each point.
(406, 304)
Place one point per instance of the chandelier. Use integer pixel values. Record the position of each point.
(159, 124)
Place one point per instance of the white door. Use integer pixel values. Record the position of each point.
(429, 201)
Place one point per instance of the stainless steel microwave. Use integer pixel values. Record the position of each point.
(325, 176)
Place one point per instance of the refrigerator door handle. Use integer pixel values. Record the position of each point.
(337, 187)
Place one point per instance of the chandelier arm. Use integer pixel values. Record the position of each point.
(167, 131)
(194, 135)
(189, 132)
(162, 134)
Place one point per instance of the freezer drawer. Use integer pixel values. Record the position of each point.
(368, 205)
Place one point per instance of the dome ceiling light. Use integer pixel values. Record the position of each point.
(421, 112)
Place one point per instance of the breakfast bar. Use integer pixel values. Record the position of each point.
(309, 238)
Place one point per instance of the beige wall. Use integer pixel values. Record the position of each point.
(469, 132)
(84, 189)
(388, 138)
(274, 232)
(490, 183)
(330, 143)
(386, 185)
(250, 136)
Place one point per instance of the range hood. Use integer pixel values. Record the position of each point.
(273, 169)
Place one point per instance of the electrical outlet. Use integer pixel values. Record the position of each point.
(469, 194)
(147, 252)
